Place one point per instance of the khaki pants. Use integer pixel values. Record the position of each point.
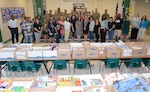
(37, 37)
(67, 33)
(117, 33)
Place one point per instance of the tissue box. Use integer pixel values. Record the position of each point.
(7, 54)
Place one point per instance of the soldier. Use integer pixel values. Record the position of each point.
(50, 13)
(85, 12)
(59, 13)
(65, 14)
(106, 14)
(96, 15)
(46, 16)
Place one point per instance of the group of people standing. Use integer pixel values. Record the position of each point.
(63, 26)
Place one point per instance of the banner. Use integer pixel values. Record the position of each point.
(6, 13)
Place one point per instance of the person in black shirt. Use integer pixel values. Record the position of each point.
(37, 30)
(73, 21)
(97, 29)
(111, 29)
(118, 27)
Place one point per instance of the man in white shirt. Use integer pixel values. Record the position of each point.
(13, 26)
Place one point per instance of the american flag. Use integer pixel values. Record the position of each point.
(117, 8)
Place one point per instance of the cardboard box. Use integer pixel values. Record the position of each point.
(139, 52)
(64, 53)
(102, 53)
(7, 54)
(100, 88)
(78, 53)
(27, 45)
(147, 47)
(44, 84)
(92, 53)
(126, 52)
(113, 52)
(63, 45)
(72, 45)
(42, 90)
(86, 44)
(35, 53)
(21, 54)
(25, 82)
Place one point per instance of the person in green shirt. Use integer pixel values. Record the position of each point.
(126, 28)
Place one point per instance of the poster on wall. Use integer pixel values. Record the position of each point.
(16, 11)
(78, 6)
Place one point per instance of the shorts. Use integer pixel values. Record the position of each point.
(118, 32)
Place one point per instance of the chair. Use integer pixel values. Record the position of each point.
(30, 66)
(80, 64)
(111, 63)
(14, 66)
(133, 63)
(2, 63)
(59, 64)
(146, 62)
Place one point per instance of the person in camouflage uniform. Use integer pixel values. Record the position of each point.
(96, 15)
(46, 16)
(106, 14)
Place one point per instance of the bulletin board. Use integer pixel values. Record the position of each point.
(16, 11)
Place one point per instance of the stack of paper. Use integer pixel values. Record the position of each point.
(45, 81)
(110, 78)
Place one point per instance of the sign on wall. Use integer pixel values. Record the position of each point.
(16, 11)
(78, 6)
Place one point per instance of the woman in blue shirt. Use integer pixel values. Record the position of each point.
(143, 26)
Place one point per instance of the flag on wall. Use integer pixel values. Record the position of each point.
(117, 8)
(123, 5)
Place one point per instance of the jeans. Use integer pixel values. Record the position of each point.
(58, 36)
(22, 31)
(33, 37)
(28, 38)
(111, 34)
(62, 37)
(14, 31)
(91, 33)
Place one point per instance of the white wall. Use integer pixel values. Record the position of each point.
(91, 5)
(143, 8)
(27, 4)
